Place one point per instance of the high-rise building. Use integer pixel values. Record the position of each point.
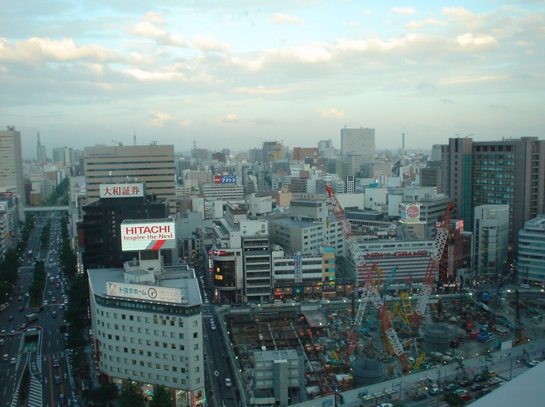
(40, 151)
(147, 327)
(358, 147)
(509, 172)
(98, 233)
(531, 255)
(152, 164)
(490, 242)
(11, 166)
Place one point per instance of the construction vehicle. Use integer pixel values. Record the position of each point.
(370, 291)
(441, 236)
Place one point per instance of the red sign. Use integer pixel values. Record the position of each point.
(399, 254)
(7, 193)
(413, 211)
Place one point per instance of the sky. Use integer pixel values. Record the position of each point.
(232, 74)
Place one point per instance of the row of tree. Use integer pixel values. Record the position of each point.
(130, 396)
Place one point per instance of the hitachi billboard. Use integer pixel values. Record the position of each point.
(152, 235)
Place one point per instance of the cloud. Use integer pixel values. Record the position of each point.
(227, 119)
(498, 107)
(416, 25)
(209, 43)
(280, 18)
(524, 44)
(366, 12)
(259, 90)
(43, 49)
(150, 28)
(424, 86)
(404, 10)
(447, 101)
(337, 114)
(158, 119)
(469, 40)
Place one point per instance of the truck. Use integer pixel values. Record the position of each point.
(4, 306)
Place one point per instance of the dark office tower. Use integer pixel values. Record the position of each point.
(100, 230)
(510, 171)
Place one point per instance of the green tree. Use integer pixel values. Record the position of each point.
(101, 396)
(161, 397)
(453, 399)
(131, 396)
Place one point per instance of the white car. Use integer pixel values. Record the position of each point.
(533, 363)
(228, 382)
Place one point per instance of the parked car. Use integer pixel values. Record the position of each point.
(228, 382)
(533, 363)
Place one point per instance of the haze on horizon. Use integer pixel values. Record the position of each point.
(230, 74)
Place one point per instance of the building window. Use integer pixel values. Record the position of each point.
(196, 346)
(126, 350)
(180, 323)
(196, 358)
(158, 366)
(123, 316)
(117, 337)
(181, 336)
(195, 334)
(131, 318)
(157, 343)
(182, 347)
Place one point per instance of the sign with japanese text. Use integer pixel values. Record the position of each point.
(121, 190)
(152, 235)
(410, 213)
(144, 292)
(225, 179)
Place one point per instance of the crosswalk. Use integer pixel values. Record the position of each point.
(35, 392)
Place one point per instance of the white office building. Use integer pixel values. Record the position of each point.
(357, 147)
(531, 253)
(147, 326)
(11, 166)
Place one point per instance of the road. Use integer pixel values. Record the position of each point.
(40, 345)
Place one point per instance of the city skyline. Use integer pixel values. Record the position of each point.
(233, 75)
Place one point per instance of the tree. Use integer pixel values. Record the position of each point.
(453, 399)
(131, 396)
(101, 396)
(161, 397)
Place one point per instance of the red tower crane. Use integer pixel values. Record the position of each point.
(370, 291)
(441, 236)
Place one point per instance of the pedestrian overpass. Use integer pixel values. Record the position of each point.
(30, 209)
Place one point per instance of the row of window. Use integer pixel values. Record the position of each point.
(147, 306)
(153, 376)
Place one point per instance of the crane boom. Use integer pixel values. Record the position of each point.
(431, 271)
(370, 291)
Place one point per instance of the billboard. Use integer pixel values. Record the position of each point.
(409, 212)
(144, 292)
(297, 267)
(225, 179)
(37, 177)
(121, 190)
(151, 235)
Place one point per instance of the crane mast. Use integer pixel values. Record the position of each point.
(370, 291)
(431, 271)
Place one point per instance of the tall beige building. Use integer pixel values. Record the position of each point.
(152, 164)
(11, 166)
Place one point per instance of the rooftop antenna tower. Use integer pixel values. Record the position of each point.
(403, 141)
(134, 137)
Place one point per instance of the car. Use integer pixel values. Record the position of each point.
(57, 380)
(460, 391)
(20, 298)
(418, 396)
(2, 342)
(228, 382)
(61, 306)
(212, 321)
(434, 391)
(12, 332)
(451, 387)
(3, 332)
(492, 373)
(46, 302)
(23, 326)
(55, 363)
(466, 382)
(6, 357)
(13, 361)
(21, 309)
(54, 314)
(385, 405)
(477, 387)
(10, 318)
(480, 378)
(533, 363)
(466, 396)
(53, 299)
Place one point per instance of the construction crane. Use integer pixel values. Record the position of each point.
(119, 143)
(441, 236)
(370, 291)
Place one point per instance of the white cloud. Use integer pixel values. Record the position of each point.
(227, 119)
(416, 25)
(208, 43)
(404, 10)
(366, 12)
(280, 18)
(149, 28)
(475, 40)
(259, 90)
(524, 44)
(334, 112)
(43, 49)
(158, 119)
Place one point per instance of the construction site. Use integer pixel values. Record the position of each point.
(288, 353)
